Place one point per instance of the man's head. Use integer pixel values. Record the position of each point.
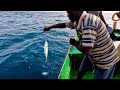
(74, 15)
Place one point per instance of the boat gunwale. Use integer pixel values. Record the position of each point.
(64, 61)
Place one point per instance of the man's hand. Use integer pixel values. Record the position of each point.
(46, 28)
(72, 41)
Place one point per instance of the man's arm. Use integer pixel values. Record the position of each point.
(87, 40)
(86, 50)
(103, 19)
(59, 25)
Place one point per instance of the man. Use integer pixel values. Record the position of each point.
(94, 41)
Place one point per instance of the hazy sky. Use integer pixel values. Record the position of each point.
(102, 11)
(109, 11)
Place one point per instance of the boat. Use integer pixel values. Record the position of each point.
(73, 60)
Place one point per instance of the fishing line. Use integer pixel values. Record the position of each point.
(38, 19)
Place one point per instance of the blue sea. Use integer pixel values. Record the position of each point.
(22, 40)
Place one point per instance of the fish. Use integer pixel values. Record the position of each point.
(45, 73)
(46, 49)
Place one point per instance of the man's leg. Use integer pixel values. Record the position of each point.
(110, 76)
(104, 73)
(84, 67)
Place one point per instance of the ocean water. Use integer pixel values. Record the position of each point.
(22, 40)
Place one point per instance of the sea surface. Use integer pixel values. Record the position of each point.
(22, 40)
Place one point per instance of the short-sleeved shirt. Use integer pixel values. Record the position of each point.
(93, 34)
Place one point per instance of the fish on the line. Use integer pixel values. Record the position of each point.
(46, 49)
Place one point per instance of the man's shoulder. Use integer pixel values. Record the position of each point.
(92, 21)
(96, 13)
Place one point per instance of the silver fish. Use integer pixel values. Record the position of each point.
(45, 73)
(46, 49)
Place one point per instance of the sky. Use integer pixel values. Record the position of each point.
(102, 11)
(109, 11)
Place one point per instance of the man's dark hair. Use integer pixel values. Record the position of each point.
(69, 12)
(71, 16)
